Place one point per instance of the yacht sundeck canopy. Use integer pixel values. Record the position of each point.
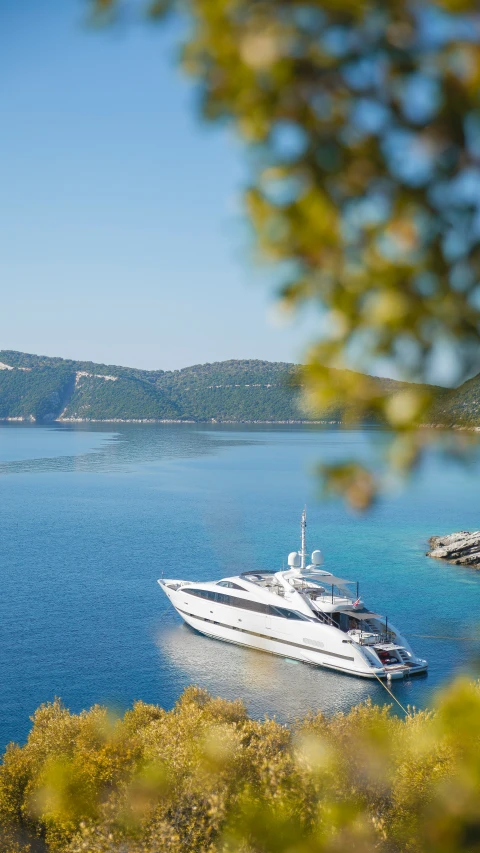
(330, 580)
(364, 614)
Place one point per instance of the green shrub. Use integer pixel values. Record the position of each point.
(205, 778)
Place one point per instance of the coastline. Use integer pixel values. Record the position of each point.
(30, 419)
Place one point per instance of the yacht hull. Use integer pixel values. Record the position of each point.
(272, 647)
(263, 635)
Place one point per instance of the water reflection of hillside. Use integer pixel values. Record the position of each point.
(113, 447)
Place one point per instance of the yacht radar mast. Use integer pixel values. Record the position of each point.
(303, 552)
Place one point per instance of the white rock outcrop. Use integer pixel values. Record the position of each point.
(462, 549)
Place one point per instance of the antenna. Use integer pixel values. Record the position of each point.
(303, 552)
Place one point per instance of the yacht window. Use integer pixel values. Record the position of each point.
(254, 606)
(200, 593)
(231, 600)
(288, 614)
(231, 585)
(245, 604)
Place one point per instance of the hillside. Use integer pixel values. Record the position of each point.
(39, 388)
(461, 406)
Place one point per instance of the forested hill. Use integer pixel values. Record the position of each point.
(461, 405)
(39, 388)
(42, 389)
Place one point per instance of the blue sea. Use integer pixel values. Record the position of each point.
(91, 515)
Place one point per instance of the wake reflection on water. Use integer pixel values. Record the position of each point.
(269, 685)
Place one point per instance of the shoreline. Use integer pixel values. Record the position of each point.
(45, 422)
(30, 419)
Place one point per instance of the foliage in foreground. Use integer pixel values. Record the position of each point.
(360, 120)
(206, 777)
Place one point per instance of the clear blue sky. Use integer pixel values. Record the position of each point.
(120, 234)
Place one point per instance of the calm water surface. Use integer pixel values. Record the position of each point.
(91, 515)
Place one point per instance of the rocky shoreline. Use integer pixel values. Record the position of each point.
(68, 420)
(461, 549)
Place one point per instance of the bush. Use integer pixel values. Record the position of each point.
(205, 778)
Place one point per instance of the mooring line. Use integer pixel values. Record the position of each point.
(405, 711)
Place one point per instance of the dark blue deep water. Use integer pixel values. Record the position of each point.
(91, 515)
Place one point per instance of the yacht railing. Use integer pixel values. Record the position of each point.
(320, 614)
(374, 638)
(335, 599)
(324, 617)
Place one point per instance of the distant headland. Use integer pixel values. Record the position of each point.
(43, 389)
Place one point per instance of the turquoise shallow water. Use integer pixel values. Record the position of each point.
(90, 516)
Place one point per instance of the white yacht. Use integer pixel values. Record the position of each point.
(303, 612)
